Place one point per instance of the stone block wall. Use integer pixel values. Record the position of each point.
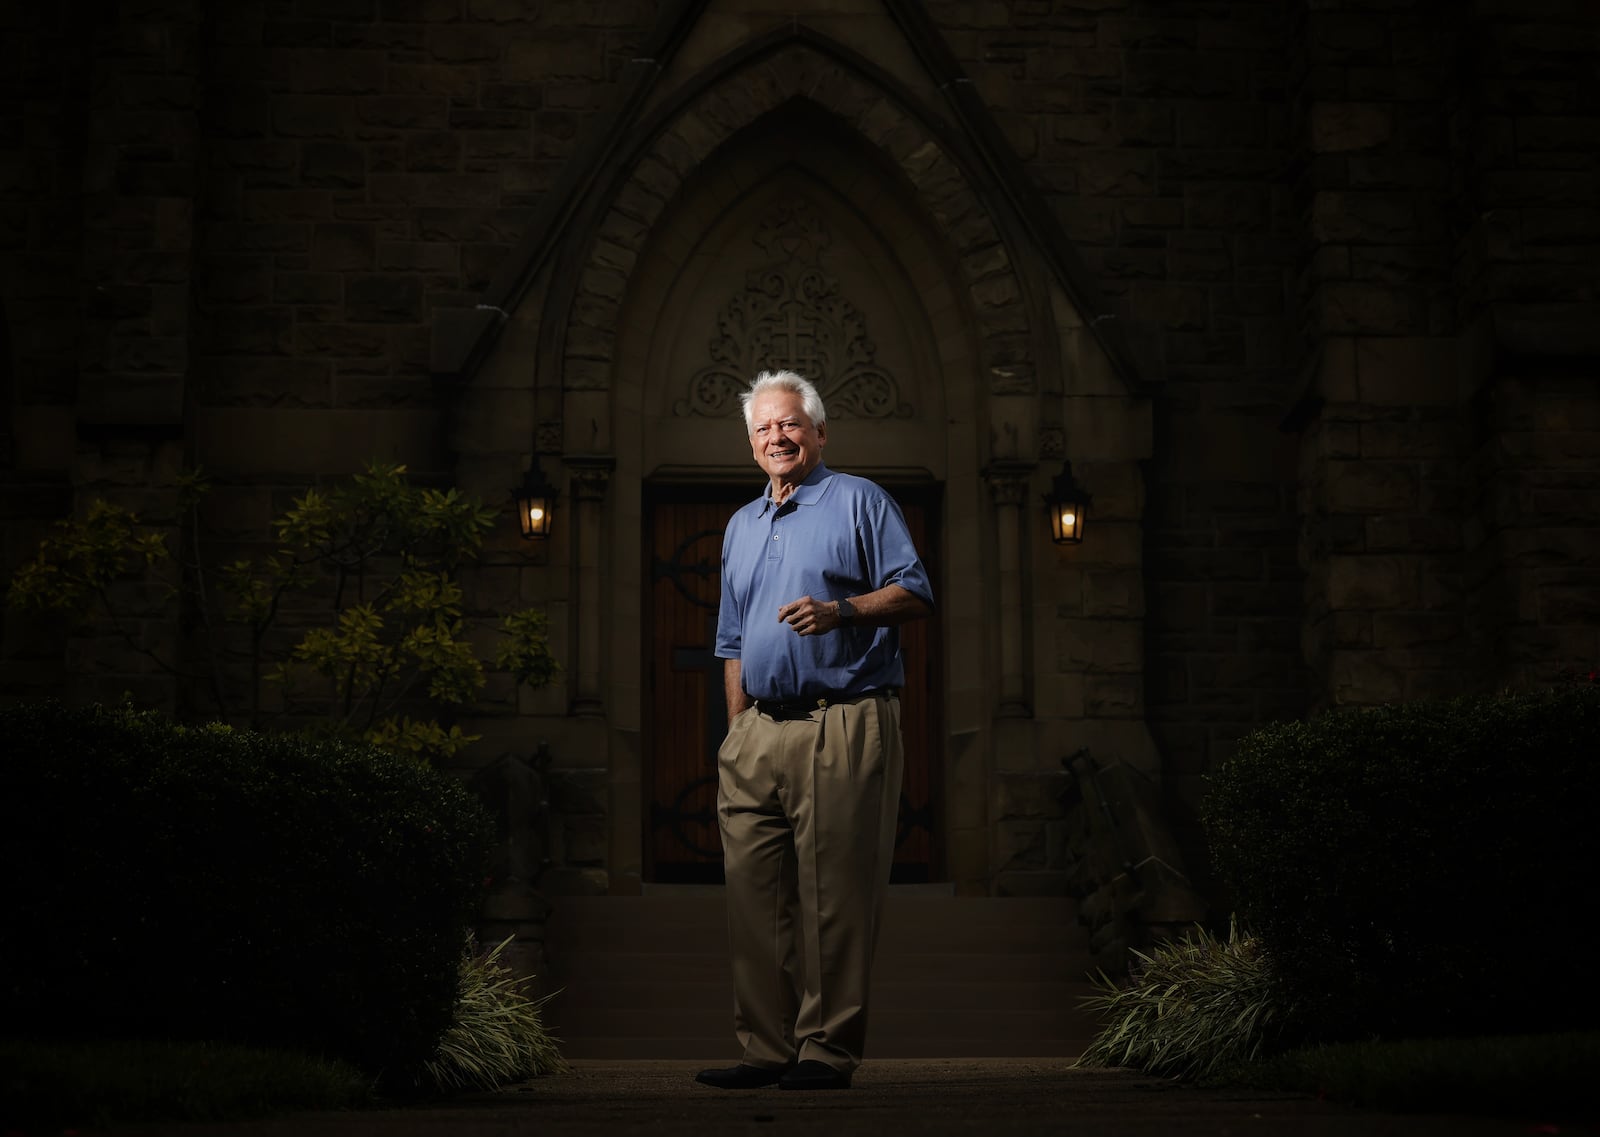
(1381, 489)
(99, 306)
(1451, 300)
(369, 166)
(1530, 290)
(43, 67)
(140, 187)
(1161, 137)
(1533, 542)
(44, 70)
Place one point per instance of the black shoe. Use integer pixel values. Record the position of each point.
(742, 1077)
(814, 1075)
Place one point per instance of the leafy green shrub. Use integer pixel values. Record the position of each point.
(164, 881)
(364, 572)
(1420, 869)
(1192, 1007)
(498, 1034)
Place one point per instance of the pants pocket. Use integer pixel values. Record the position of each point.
(733, 741)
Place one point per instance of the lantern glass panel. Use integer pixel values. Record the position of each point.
(1066, 521)
(534, 513)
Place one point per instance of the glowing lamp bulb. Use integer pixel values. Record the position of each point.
(536, 514)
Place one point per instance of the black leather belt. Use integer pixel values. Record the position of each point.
(803, 708)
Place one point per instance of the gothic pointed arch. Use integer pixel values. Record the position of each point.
(970, 178)
(737, 99)
(793, 245)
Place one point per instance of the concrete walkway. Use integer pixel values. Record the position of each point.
(933, 1098)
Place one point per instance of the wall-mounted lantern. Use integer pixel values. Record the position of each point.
(1069, 505)
(536, 500)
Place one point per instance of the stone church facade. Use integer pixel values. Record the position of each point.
(1303, 290)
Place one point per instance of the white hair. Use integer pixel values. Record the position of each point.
(810, 401)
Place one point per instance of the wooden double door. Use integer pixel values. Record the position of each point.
(688, 709)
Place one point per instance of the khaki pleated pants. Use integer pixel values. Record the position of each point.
(808, 809)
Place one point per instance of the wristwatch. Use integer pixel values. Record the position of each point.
(847, 612)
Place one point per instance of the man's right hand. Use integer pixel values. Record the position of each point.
(810, 617)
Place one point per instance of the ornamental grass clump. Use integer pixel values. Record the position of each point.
(498, 1033)
(1191, 1008)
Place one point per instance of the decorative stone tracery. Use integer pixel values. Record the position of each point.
(799, 71)
(792, 313)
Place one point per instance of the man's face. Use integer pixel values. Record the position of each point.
(785, 443)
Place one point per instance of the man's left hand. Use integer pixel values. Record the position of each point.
(810, 617)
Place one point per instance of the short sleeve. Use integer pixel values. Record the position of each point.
(890, 554)
(730, 620)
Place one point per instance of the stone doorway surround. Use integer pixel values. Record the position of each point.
(586, 351)
(787, 235)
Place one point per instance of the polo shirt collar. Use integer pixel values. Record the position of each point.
(808, 492)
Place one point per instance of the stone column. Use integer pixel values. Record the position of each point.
(1009, 482)
(1526, 270)
(143, 154)
(590, 475)
(1382, 421)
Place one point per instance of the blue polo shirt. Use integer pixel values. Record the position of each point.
(837, 535)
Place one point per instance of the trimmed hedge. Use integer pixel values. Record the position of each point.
(1421, 869)
(206, 883)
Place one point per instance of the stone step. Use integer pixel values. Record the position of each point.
(713, 1021)
(604, 966)
(722, 1050)
(646, 995)
(648, 977)
(912, 910)
(892, 1034)
(608, 924)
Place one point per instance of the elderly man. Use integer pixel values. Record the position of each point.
(816, 575)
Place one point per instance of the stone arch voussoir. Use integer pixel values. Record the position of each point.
(800, 71)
